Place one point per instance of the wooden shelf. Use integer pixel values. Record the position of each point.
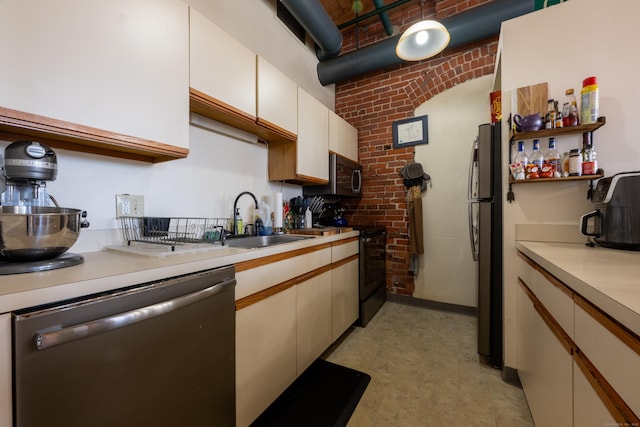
(543, 133)
(538, 134)
(599, 175)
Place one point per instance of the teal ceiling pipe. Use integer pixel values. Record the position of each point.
(315, 20)
(471, 25)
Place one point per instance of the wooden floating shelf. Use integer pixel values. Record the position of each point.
(542, 133)
(599, 175)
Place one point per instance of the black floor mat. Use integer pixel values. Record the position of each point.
(325, 395)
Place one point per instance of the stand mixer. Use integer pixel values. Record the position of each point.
(27, 167)
(34, 234)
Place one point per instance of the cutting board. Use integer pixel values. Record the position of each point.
(327, 231)
(532, 99)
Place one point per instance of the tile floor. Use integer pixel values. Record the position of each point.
(425, 373)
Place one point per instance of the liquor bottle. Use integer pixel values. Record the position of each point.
(521, 156)
(536, 158)
(552, 158)
(550, 117)
(569, 109)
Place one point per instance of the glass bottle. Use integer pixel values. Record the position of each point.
(552, 158)
(520, 161)
(521, 156)
(569, 109)
(536, 158)
(589, 162)
(575, 162)
(550, 117)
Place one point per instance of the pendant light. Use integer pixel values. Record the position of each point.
(422, 40)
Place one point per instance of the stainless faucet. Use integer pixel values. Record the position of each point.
(235, 208)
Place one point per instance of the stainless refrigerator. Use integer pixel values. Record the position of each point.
(485, 233)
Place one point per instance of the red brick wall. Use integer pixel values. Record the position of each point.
(372, 102)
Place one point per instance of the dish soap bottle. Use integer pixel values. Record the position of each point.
(308, 219)
(238, 224)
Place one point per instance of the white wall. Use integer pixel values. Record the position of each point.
(447, 270)
(588, 37)
(254, 24)
(205, 184)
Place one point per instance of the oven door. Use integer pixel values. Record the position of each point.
(372, 263)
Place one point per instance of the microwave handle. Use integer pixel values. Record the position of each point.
(356, 181)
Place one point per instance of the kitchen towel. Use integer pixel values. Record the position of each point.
(416, 239)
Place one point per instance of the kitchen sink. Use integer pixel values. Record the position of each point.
(253, 242)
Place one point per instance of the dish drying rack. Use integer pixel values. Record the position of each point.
(172, 231)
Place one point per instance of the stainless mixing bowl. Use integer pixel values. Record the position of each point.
(34, 233)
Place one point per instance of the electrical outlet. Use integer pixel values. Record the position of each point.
(129, 205)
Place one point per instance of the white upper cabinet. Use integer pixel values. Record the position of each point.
(121, 66)
(343, 138)
(221, 67)
(277, 98)
(312, 153)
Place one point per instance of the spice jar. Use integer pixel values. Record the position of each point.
(575, 162)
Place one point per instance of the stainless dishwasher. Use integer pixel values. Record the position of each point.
(156, 354)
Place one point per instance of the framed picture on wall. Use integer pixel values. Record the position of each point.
(413, 131)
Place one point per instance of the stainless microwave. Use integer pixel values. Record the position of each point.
(345, 179)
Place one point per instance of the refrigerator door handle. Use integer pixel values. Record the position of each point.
(474, 148)
(472, 234)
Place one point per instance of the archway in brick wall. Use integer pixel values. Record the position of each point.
(372, 103)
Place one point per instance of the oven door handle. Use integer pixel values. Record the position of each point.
(49, 339)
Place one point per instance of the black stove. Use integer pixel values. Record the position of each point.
(372, 287)
(369, 230)
(64, 260)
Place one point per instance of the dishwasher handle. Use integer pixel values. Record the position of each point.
(83, 330)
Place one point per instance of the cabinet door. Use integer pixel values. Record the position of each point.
(265, 353)
(312, 153)
(344, 297)
(277, 98)
(120, 66)
(588, 408)
(314, 319)
(545, 367)
(6, 418)
(343, 138)
(615, 355)
(221, 67)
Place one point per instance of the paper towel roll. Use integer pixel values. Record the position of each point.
(277, 211)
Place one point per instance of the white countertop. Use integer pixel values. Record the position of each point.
(609, 278)
(108, 269)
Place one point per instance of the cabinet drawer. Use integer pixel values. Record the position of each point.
(344, 249)
(613, 350)
(555, 296)
(253, 280)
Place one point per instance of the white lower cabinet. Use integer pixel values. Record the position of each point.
(544, 366)
(285, 312)
(313, 306)
(578, 366)
(588, 410)
(265, 353)
(344, 297)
